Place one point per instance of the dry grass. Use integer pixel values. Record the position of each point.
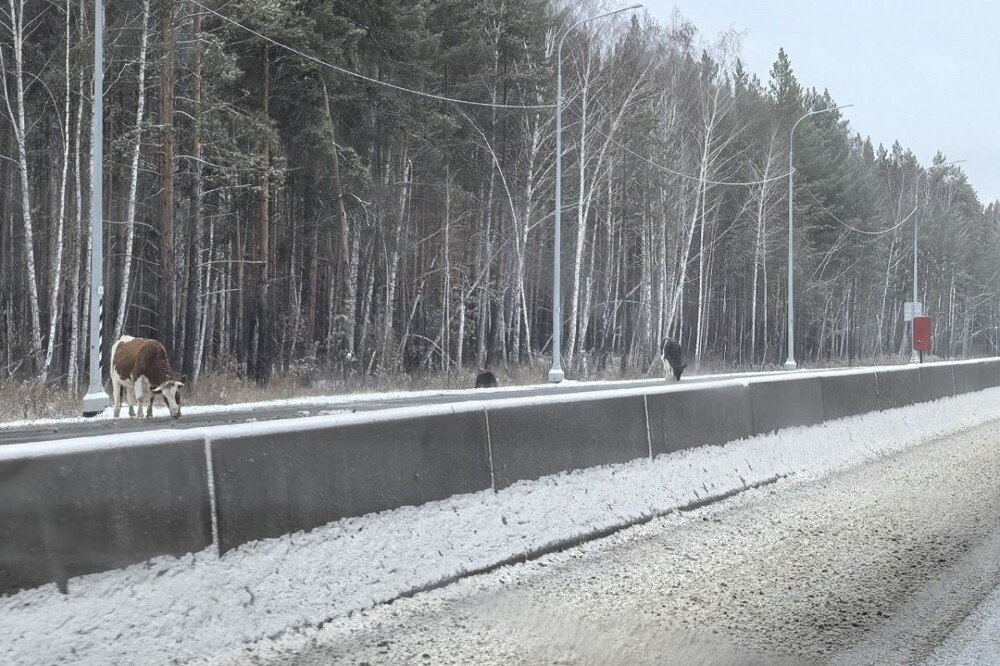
(30, 399)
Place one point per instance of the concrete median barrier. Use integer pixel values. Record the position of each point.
(74, 507)
(273, 484)
(968, 377)
(699, 416)
(898, 388)
(937, 381)
(848, 394)
(990, 373)
(531, 441)
(783, 403)
(82, 512)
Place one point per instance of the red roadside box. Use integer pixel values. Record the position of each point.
(922, 334)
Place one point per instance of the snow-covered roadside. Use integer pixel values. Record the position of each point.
(194, 608)
(975, 642)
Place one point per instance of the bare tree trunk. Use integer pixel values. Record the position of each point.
(338, 190)
(760, 247)
(589, 188)
(17, 119)
(702, 249)
(351, 298)
(344, 246)
(165, 308)
(367, 303)
(124, 292)
(197, 263)
(582, 211)
(485, 300)
(460, 348)
(260, 359)
(393, 268)
(204, 303)
(74, 338)
(54, 303)
(445, 333)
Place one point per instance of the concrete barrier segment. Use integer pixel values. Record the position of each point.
(848, 394)
(534, 440)
(269, 485)
(968, 377)
(783, 403)
(937, 381)
(83, 512)
(898, 387)
(700, 416)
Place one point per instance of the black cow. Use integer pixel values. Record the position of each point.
(674, 357)
(486, 380)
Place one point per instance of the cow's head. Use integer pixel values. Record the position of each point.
(678, 369)
(171, 392)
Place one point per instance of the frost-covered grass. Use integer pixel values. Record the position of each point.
(198, 607)
(29, 400)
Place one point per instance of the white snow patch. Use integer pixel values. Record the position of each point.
(200, 607)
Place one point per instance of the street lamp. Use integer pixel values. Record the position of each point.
(96, 399)
(556, 374)
(790, 363)
(914, 356)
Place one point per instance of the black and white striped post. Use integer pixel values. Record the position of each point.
(96, 400)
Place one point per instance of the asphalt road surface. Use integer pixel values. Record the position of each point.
(877, 564)
(335, 404)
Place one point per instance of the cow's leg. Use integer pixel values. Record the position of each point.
(128, 387)
(147, 392)
(140, 391)
(132, 401)
(666, 368)
(116, 392)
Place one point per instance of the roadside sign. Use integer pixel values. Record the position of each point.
(911, 310)
(922, 335)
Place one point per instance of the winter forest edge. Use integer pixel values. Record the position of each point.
(267, 213)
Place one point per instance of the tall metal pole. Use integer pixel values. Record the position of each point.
(96, 399)
(556, 374)
(914, 355)
(790, 362)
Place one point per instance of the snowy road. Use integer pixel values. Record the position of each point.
(893, 562)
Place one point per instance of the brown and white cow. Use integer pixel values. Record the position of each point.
(141, 368)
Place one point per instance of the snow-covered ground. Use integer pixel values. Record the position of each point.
(975, 642)
(190, 609)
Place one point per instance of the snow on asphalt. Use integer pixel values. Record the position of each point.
(183, 610)
(976, 642)
(872, 565)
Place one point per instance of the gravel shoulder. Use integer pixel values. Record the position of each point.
(876, 564)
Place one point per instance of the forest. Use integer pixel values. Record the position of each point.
(367, 187)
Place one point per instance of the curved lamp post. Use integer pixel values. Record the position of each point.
(556, 374)
(790, 363)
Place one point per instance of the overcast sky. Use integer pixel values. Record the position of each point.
(924, 73)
